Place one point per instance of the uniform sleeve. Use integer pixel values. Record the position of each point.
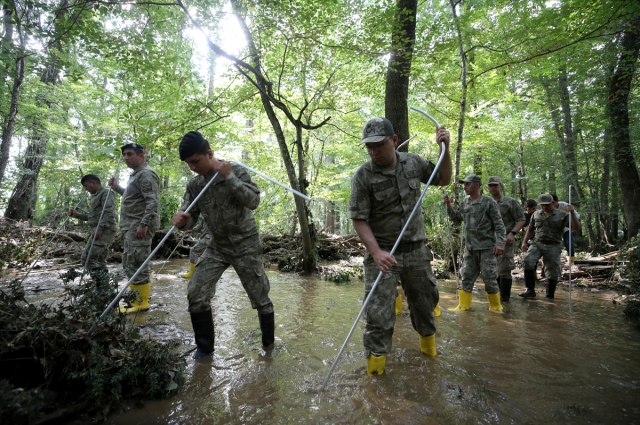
(517, 213)
(454, 214)
(83, 217)
(243, 188)
(151, 194)
(565, 221)
(186, 201)
(109, 215)
(427, 170)
(197, 228)
(359, 202)
(498, 224)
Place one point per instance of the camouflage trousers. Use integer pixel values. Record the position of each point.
(419, 284)
(99, 250)
(550, 253)
(209, 268)
(506, 262)
(135, 252)
(199, 248)
(480, 262)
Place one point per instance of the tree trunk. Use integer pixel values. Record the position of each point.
(10, 119)
(619, 87)
(463, 99)
(403, 38)
(331, 208)
(23, 200)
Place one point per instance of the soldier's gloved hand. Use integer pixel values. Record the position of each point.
(180, 219)
(510, 239)
(498, 251)
(383, 260)
(72, 213)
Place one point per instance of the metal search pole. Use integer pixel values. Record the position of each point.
(373, 288)
(302, 195)
(170, 255)
(117, 298)
(453, 259)
(569, 253)
(54, 236)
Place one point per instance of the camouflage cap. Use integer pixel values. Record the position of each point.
(471, 178)
(494, 180)
(545, 199)
(376, 130)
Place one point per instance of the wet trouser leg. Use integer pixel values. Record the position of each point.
(421, 290)
(97, 265)
(199, 248)
(135, 253)
(506, 263)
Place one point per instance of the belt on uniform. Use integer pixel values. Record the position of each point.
(403, 248)
(548, 242)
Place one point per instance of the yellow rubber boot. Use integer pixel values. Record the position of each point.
(398, 304)
(375, 365)
(570, 259)
(188, 274)
(436, 311)
(142, 300)
(464, 301)
(428, 345)
(494, 302)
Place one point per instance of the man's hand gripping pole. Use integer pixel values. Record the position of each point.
(373, 288)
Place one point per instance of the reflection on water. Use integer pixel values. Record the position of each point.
(536, 363)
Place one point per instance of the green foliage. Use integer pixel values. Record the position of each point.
(343, 275)
(629, 261)
(50, 350)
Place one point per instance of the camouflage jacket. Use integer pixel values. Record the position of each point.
(549, 228)
(141, 200)
(226, 207)
(386, 197)
(95, 209)
(511, 212)
(483, 224)
(200, 229)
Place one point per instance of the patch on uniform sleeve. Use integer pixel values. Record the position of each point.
(245, 177)
(412, 173)
(146, 186)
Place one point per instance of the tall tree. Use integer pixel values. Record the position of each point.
(620, 85)
(403, 38)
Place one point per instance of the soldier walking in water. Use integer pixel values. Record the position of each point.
(101, 235)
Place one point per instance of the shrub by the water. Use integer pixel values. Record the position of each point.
(50, 362)
(629, 260)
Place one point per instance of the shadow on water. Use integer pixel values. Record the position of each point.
(535, 363)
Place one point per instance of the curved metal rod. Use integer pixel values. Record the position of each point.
(373, 288)
(54, 236)
(426, 115)
(117, 298)
(302, 195)
(406, 141)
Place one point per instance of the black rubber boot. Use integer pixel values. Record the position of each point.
(505, 289)
(551, 288)
(204, 334)
(268, 328)
(530, 283)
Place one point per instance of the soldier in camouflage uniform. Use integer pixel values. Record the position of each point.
(383, 194)
(139, 220)
(198, 249)
(513, 219)
(548, 224)
(226, 208)
(485, 236)
(101, 236)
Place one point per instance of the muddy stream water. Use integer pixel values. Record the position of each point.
(535, 363)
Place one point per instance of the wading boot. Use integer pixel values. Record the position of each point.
(494, 302)
(505, 284)
(551, 288)
(268, 328)
(530, 283)
(375, 365)
(398, 305)
(464, 301)
(202, 323)
(428, 345)
(436, 311)
(188, 274)
(142, 300)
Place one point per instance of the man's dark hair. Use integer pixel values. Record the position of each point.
(90, 178)
(530, 203)
(555, 197)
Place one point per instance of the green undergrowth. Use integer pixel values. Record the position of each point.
(51, 365)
